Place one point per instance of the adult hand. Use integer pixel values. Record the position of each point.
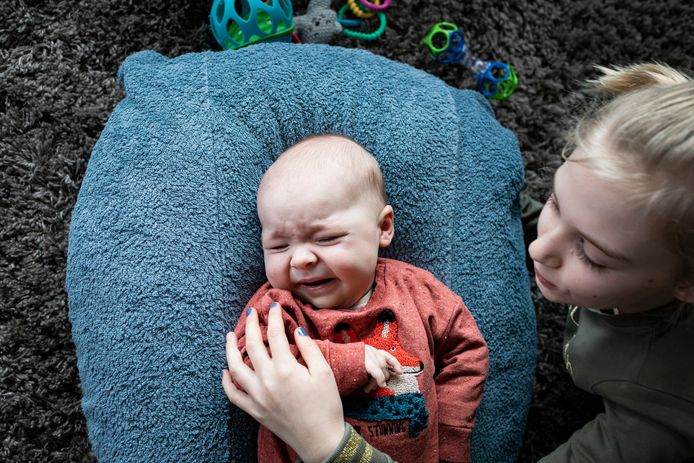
(300, 404)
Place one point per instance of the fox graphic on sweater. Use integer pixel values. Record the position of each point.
(402, 397)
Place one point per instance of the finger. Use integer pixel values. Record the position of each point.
(232, 350)
(277, 337)
(311, 353)
(235, 395)
(237, 368)
(382, 381)
(393, 364)
(379, 377)
(255, 347)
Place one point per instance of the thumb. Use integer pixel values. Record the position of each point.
(370, 385)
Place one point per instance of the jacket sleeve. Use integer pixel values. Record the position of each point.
(346, 360)
(640, 426)
(462, 363)
(353, 447)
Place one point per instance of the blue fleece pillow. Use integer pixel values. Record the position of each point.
(164, 242)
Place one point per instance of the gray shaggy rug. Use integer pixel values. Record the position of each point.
(58, 61)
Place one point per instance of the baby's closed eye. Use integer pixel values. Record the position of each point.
(329, 239)
(276, 247)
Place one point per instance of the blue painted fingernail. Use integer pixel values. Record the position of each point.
(274, 305)
(248, 311)
(301, 331)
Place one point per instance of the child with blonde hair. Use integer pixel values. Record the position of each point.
(616, 243)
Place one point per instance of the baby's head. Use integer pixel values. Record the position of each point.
(323, 211)
(618, 230)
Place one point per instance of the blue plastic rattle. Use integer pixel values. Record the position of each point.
(446, 44)
(237, 23)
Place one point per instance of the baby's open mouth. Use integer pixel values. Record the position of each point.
(318, 282)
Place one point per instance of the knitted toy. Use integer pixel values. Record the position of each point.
(319, 24)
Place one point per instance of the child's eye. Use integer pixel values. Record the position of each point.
(276, 247)
(551, 202)
(581, 254)
(331, 239)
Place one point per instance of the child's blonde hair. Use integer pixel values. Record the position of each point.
(643, 138)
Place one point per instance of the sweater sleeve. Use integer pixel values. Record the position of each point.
(348, 364)
(346, 360)
(462, 362)
(642, 425)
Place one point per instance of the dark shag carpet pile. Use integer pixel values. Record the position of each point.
(58, 61)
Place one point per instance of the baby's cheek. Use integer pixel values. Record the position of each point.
(276, 274)
(278, 282)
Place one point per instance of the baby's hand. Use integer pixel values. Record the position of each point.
(379, 365)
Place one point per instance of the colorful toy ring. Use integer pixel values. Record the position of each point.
(350, 22)
(357, 11)
(376, 6)
(363, 35)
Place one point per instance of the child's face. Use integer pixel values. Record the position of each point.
(321, 242)
(596, 250)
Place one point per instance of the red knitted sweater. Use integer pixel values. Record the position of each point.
(426, 414)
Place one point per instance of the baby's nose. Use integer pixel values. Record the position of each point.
(303, 257)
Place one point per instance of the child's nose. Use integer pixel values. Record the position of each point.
(546, 249)
(302, 257)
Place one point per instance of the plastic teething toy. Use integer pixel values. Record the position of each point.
(376, 6)
(361, 35)
(237, 23)
(358, 10)
(446, 44)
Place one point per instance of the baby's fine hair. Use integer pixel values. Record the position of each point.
(643, 138)
(320, 151)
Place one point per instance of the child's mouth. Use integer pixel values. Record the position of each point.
(543, 281)
(317, 288)
(316, 283)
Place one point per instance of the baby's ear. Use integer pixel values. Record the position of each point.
(386, 225)
(684, 291)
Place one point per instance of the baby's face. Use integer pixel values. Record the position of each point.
(321, 241)
(596, 250)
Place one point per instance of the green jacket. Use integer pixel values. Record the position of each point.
(642, 365)
(353, 447)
